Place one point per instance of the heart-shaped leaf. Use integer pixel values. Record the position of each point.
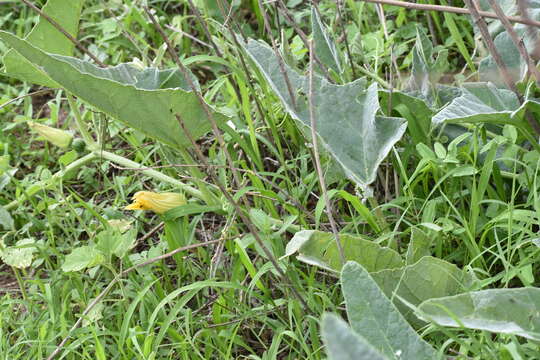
(346, 115)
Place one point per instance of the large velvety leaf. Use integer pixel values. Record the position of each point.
(324, 45)
(342, 343)
(426, 70)
(426, 279)
(479, 102)
(507, 311)
(131, 95)
(320, 249)
(47, 38)
(346, 115)
(375, 318)
(515, 65)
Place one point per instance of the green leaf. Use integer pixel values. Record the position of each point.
(375, 318)
(342, 343)
(346, 115)
(112, 242)
(190, 209)
(81, 258)
(129, 94)
(320, 249)
(6, 221)
(21, 255)
(47, 38)
(515, 65)
(506, 311)
(419, 246)
(480, 102)
(426, 71)
(413, 109)
(324, 45)
(426, 279)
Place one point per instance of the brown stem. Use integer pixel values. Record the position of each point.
(482, 26)
(347, 46)
(452, 9)
(322, 183)
(278, 55)
(219, 136)
(531, 66)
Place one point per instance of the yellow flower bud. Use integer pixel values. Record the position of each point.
(157, 202)
(60, 138)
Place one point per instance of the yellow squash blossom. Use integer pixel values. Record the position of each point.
(60, 138)
(157, 202)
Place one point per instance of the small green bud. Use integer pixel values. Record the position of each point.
(78, 145)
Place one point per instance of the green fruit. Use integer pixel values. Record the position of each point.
(79, 145)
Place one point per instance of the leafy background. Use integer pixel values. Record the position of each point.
(429, 161)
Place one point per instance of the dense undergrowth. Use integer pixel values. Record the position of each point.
(447, 204)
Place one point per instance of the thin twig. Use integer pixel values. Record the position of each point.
(289, 18)
(452, 9)
(197, 14)
(219, 136)
(23, 96)
(322, 183)
(482, 26)
(531, 66)
(63, 31)
(191, 37)
(347, 46)
(281, 62)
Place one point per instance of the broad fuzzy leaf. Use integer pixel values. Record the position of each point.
(426, 279)
(131, 95)
(342, 343)
(346, 115)
(320, 249)
(426, 70)
(324, 45)
(479, 102)
(376, 319)
(507, 311)
(47, 38)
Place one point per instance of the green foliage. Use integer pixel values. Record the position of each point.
(449, 231)
(361, 140)
(342, 343)
(374, 317)
(320, 249)
(507, 311)
(324, 45)
(145, 99)
(47, 38)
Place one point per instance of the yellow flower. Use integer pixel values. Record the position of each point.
(157, 202)
(60, 138)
